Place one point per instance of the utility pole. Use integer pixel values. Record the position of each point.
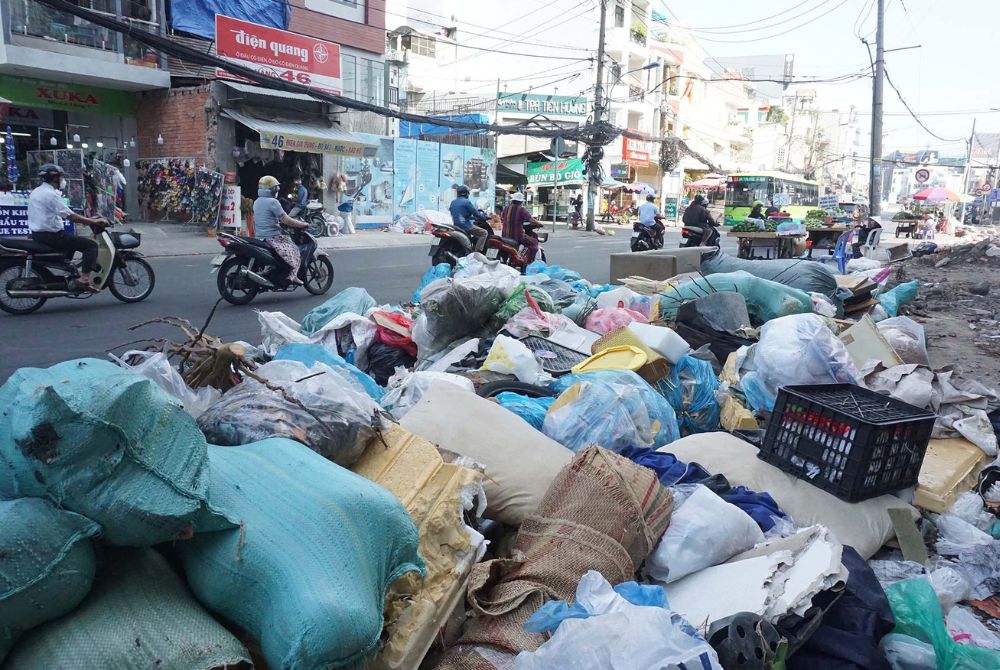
(791, 132)
(598, 114)
(968, 169)
(875, 168)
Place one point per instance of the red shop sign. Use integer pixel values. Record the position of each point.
(278, 53)
(635, 151)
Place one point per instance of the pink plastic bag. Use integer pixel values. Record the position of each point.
(603, 321)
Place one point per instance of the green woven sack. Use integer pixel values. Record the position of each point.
(47, 564)
(138, 616)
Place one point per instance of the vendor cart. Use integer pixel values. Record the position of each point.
(825, 238)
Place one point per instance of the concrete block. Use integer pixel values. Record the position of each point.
(658, 264)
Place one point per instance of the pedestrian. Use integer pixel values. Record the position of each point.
(46, 212)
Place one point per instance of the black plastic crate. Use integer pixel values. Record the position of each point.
(852, 442)
(554, 358)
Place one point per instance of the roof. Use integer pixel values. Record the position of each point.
(247, 89)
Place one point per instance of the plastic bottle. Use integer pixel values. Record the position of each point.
(662, 340)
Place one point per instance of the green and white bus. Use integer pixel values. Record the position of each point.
(791, 193)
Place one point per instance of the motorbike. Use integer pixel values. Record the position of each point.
(451, 244)
(699, 236)
(313, 214)
(31, 273)
(249, 266)
(646, 239)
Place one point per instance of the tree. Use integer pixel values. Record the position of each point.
(776, 115)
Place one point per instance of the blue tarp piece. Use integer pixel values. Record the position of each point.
(310, 354)
(198, 16)
(410, 129)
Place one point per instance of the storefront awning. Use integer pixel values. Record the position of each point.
(247, 89)
(505, 175)
(311, 138)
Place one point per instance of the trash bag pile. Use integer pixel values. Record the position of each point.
(514, 471)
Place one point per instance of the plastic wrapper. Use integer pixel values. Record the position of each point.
(955, 535)
(404, 392)
(511, 357)
(803, 275)
(310, 354)
(531, 410)
(766, 300)
(351, 300)
(383, 359)
(951, 586)
(518, 301)
(562, 293)
(704, 531)
(276, 330)
(966, 628)
(797, 349)
(907, 339)
(895, 298)
(553, 271)
(338, 423)
(459, 308)
(692, 385)
(625, 628)
(530, 322)
(603, 321)
(156, 366)
(439, 271)
(917, 613)
(908, 653)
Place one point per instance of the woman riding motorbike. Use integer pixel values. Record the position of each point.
(268, 217)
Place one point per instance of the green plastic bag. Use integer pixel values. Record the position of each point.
(918, 614)
(517, 301)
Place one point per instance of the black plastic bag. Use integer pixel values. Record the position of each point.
(714, 320)
(383, 359)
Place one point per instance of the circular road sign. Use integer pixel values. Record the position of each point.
(922, 175)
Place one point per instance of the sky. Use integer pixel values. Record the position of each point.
(947, 81)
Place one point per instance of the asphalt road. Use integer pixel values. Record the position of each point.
(64, 329)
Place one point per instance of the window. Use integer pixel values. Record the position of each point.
(423, 46)
(348, 75)
(371, 81)
(743, 194)
(350, 10)
(619, 15)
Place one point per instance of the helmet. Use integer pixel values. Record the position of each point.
(650, 198)
(699, 199)
(50, 170)
(462, 190)
(517, 196)
(758, 203)
(268, 184)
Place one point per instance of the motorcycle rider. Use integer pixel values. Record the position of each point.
(697, 213)
(465, 215)
(514, 216)
(46, 211)
(650, 218)
(301, 198)
(268, 217)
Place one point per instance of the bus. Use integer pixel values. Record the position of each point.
(791, 193)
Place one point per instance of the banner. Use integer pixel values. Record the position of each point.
(532, 103)
(636, 152)
(405, 187)
(14, 215)
(452, 174)
(230, 216)
(278, 53)
(428, 157)
(69, 97)
(552, 173)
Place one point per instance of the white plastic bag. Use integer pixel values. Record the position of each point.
(908, 653)
(278, 329)
(156, 366)
(951, 586)
(969, 506)
(704, 531)
(906, 337)
(956, 534)
(965, 628)
(476, 264)
(407, 389)
(509, 356)
(619, 636)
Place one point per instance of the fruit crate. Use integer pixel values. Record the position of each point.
(847, 440)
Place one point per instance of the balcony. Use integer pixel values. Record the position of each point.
(638, 34)
(32, 19)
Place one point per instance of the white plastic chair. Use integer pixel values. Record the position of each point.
(870, 248)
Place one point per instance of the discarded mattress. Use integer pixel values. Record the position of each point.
(465, 424)
(865, 525)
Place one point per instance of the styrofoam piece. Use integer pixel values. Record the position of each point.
(662, 340)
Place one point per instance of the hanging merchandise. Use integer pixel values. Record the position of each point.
(165, 186)
(206, 197)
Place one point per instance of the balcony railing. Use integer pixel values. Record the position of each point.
(637, 33)
(34, 19)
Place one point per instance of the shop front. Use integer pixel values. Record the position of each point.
(551, 185)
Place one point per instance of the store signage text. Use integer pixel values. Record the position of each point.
(555, 173)
(278, 53)
(531, 103)
(287, 142)
(636, 151)
(57, 95)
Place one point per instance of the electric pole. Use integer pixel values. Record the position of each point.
(968, 170)
(875, 168)
(594, 161)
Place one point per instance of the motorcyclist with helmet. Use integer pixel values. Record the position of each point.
(697, 213)
(46, 212)
(514, 217)
(268, 217)
(465, 216)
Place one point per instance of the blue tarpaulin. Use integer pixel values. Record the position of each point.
(410, 129)
(198, 16)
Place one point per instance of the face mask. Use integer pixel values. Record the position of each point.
(62, 184)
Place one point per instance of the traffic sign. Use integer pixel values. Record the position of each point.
(985, 188)
(922, 175)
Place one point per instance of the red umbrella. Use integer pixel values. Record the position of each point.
(705, 184)
(937, 194)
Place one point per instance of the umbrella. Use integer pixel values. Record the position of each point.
(12, 172)
(937, 194)
(641, 188)
(705, 184)
(609, 183)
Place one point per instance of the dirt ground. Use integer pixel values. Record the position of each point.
(959, 306)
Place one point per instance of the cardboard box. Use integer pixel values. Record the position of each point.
(950, 468)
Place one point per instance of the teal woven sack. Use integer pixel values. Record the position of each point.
(106, 443)
(307, 572)
(139, 615)
(352, 300)
(46, 564)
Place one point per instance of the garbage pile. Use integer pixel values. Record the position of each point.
(512, 472)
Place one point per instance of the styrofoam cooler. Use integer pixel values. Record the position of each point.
(662, 340)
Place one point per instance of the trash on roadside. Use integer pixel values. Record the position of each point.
(406, 388)
(351, 300)
(532, 410)
(765, 299)
(156, 366)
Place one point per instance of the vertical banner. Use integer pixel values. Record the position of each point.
(476, 177)
(452, 173)
(428, 160)
(229, 213)
(404, 197)
(490, 160)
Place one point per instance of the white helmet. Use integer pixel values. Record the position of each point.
(517, 196)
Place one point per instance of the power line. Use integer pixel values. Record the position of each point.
(860, 22)
(766, 18)
(912, 113)
(739, 30)
(785, 30)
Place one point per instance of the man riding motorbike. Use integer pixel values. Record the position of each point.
(514, 216)
(301, 199)
(651, 219)
(465, 216)
(268, 216)
(697, 213)
(46, 211)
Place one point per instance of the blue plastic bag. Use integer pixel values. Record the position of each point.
(553, 271)
(892, 300)
(692, 385)
(548, 617)
(531, 410)
(350, 300)
(308, 354)
(439, 271)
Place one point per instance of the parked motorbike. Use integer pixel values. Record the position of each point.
(249, 266)
(700, 236)
(646, 239)
(451, 244)
(315, 216)
(31, 273)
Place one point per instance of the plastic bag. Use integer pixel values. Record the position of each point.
(907, 653)
(619, 635)
(531, 410)
(310, 354)
(476, 264)
(351, 300)
(530, 322)
(966, 628)
(406, 392)
(655, 406)
(704, 531)
(969, 506)
(955, 534)
(553, 271)
(518, 302)
(892, 300)
(692, 385)
(797, 349)
(458, 308)
(603, 321)
(439, 271)
(511, 357)
(337, 420)
(907, 339)
(391, 337)
(350, 335)
(766, 300)
(917, 613)
(803, 275)
(951, 586)
(276, 330)
(156, 366)
(383, 359)
(562, 293)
